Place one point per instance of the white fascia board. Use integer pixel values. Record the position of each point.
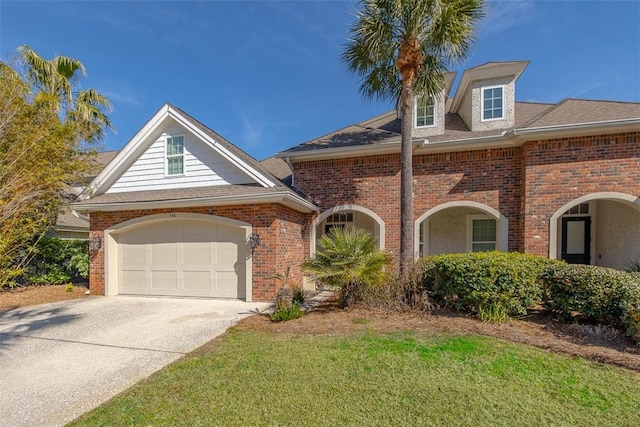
(512, 138)
(342, 152)
(232, 158)
(284, 197)
(109, 173)
(579, 129)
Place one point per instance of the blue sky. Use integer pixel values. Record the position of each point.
(268, 76)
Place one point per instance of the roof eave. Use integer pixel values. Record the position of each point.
(285, 198)
(508, 138)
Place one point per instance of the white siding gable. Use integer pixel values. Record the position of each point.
(203, 166)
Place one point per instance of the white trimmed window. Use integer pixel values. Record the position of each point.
(424, 112)
(175, 155)
(492, 102)
(338, 220)
(482, 232)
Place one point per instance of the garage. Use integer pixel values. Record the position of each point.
(182, 257)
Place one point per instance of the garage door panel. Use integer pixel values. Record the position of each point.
(195, 232)
(198, 253)
(226, 284)
(164, 280)
(133, 281)
(134, 253)
(197, 281)
(184, 258)
(164, 253)
(226, 254)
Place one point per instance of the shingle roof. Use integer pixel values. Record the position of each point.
(214, 191)
(385, 128)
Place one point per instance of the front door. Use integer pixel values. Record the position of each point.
(576, 240)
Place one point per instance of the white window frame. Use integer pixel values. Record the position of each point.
(470, 242)
(482, 90)
(415, 113)
(167, 156)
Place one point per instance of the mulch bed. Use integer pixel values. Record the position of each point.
(33, 295)
(537, 329)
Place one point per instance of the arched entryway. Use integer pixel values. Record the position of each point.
(597, 229)
(461, 226)
(347, 216)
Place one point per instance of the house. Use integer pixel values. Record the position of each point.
(69, 223)
(181, 211)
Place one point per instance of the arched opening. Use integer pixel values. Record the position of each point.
(347, 216)
(462, 226)
(597, 229)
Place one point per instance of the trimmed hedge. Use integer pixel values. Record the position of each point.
(481, 282)
(596, 294)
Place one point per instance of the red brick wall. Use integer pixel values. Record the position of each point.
(526, 184)
(490, 177)
(281, 240)
(558, 171)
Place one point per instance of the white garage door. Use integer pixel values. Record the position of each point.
(183, 258)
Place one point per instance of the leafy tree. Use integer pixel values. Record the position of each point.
(47, 132)
(348, 259)
(402, 48)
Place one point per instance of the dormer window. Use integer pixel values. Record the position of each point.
(492, 103)
(175, 155)
(424, 112)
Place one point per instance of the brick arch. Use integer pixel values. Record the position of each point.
(324, 215)
(627, 199)
(503, 242)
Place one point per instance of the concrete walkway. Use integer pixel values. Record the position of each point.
(59, 360)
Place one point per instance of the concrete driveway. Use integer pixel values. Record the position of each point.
(59, 360)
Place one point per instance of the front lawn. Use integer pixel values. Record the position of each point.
(260, 378)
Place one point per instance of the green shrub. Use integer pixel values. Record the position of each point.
(57, 261)
(299, 295)
(499, 284)
(597, 294)
(283, 314)
(69, 287)
(350, 260)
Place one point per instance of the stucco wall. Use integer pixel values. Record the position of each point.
(438, 120)
(508, 105)
(617, 234)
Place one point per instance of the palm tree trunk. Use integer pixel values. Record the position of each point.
(406, 179)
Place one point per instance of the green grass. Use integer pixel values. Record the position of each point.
(253, 378)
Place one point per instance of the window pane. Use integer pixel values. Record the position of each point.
(424, 112)
(484, 230)
(175, 145)
(483, 247)
(175, 165)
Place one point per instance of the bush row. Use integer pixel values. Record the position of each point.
(496, 285)
(57, 261)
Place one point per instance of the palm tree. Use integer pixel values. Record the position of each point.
(54, 79)
(402, 48)
(348, 259)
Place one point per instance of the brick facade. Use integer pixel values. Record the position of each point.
(282, 241)
(526, 184)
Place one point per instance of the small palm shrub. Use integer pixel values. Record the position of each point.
(494, 285)
(350, 260)
(594, 294)
(283, 314)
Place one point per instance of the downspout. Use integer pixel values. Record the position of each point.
(288, 161)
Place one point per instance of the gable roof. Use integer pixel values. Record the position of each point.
(381, 134)
(95, 196)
